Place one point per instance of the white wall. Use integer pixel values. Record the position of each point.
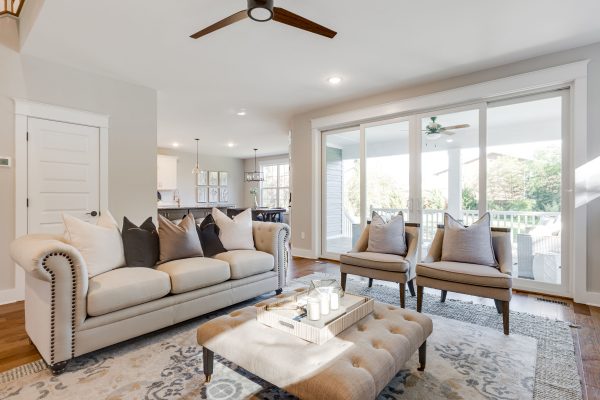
(301, 146)
(132, 135)
(186, 181)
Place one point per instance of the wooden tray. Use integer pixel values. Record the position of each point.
(353, 309)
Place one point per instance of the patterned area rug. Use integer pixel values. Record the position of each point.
(468, 358)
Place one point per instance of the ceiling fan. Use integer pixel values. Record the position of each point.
(263, 11)
(435, 130)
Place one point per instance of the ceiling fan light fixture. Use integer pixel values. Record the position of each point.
(260, 10)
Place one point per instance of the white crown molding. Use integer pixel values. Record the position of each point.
(59, 113)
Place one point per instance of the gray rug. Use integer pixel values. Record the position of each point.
(471, 360)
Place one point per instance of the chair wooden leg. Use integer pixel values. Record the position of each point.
(411, 287)
(444, 294)
(419, 298)
(506, 316)
(370, 282)
(208, 359)
(402, 295)
(498, 304)
(344, 276)
(423, 356)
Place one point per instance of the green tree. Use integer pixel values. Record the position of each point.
(469, 199)
(544, 181)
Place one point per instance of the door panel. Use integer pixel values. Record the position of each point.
(63, 173)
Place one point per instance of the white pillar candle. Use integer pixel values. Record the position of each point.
(324, 303)
(335, 300)
(313, 308)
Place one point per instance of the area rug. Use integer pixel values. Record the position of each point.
(468, 358)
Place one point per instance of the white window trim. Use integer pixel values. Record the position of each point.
(574, 75)
(25, 109)
(277, 162)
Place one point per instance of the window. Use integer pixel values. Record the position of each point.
(275, 189)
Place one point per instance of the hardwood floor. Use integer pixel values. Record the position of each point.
(16, 348)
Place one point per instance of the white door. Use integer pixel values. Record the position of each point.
(63, 173)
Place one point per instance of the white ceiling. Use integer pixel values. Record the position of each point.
(274, 71)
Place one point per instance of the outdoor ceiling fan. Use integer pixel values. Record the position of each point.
(435, 130)
(263, 11)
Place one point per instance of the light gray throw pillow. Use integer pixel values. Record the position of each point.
(387, 237)
(178, 241)
(472, 245)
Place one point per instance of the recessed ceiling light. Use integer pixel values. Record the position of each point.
(334, 80)
(449, 140)
(241, 113)
(175, 144)
(230, 144)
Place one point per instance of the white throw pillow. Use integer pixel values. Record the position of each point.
(236, 233)
(100, 245)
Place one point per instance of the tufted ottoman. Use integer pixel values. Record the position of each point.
(357, 364)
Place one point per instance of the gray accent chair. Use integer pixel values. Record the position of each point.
(385, 267)
(471, 279)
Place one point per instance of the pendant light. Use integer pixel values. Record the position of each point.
(196, 170)
(256, 175)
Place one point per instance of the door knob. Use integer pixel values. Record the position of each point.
(93, 213)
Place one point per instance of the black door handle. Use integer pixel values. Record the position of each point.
(93, 213)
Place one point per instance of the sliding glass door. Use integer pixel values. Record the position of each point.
(449, 169)
(503, 156)
(341, 193)
(525, 180)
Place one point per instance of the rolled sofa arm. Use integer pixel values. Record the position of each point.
(56, 284)
(274, 238)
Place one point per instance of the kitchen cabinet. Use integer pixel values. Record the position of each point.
(166, 168)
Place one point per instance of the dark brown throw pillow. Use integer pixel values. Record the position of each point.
(140, 243)
(208, 232)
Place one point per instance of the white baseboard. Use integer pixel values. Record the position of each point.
(589, 298)
(304, 253)
(8, 296)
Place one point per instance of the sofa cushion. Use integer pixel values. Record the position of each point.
(125, 287)
(140, 243)
(236, 233)
(100, 244)
(178, 241)
(470, 274)
(381, 261)
(245, 263)
(208, 232)
(195, 273)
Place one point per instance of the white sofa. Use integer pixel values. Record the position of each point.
(67, 314)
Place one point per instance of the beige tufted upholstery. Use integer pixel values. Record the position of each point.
(56, 294)
(388, 267)
(357, 364)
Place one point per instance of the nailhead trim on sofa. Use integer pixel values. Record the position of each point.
(53, 301)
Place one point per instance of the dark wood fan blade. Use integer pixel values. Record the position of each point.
(289, 18)
(238, 16)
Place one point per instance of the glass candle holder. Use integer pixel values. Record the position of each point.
(335, 299)
(313, 308)
(325, 302)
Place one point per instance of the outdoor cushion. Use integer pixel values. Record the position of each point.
(195, 273)
(245, 263)
(384, 262)
(125, 287)
(469, 274)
